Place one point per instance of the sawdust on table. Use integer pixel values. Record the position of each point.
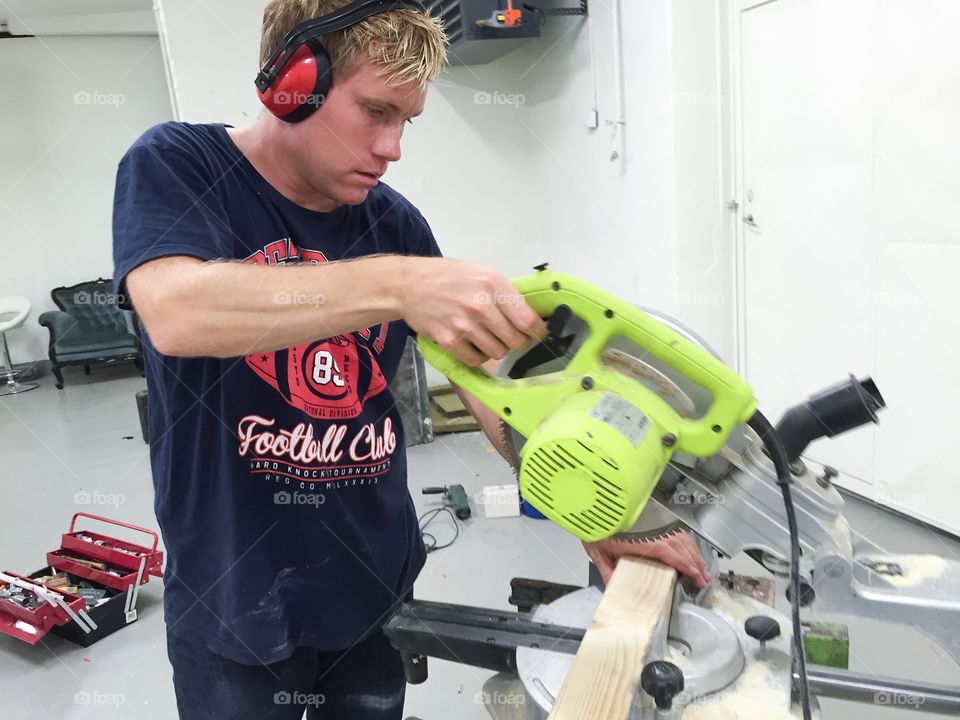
(917, 569)
(756, 695)
(759, 693)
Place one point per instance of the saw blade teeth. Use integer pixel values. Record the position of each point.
(652, 536)
(513, 456)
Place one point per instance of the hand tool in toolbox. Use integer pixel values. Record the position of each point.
(88, 590)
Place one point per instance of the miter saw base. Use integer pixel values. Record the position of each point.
(703, 643)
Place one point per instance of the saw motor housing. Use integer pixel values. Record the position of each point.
(596, 439)
(592, 464)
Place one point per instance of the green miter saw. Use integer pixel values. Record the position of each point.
(593, 414)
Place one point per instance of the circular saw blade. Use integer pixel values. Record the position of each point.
(655, 523)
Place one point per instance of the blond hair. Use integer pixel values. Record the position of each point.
(405, 45)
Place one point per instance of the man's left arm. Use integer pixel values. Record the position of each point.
(679, 551)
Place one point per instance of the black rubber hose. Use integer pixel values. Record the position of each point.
(834, 410)
(775, 447)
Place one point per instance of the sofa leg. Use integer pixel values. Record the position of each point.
(58, 374)
(86, 369)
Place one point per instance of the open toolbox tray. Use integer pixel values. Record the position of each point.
(101, 562)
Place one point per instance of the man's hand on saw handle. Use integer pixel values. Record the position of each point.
(470, 310)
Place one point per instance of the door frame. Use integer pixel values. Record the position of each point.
(736, 173)
(849, 483)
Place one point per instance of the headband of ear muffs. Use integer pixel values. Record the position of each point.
(296, 79)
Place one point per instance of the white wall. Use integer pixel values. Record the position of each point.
(650, 227)
(515, 184)
(211, 48)
(71, 108)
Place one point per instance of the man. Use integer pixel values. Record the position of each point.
(278, 280)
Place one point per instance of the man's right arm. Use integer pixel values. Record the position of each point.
(192, 307)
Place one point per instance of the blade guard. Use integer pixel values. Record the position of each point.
(525, 403)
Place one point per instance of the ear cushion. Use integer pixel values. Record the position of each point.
(302, 86)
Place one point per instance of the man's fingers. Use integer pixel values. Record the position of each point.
(682, 561)
(465, 352)
(500, 324)
(602, 560)
(689, 546)
(487, 343)
(520, 315)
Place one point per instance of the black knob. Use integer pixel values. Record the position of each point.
(807, 593)
(414, 668)
(762, 628)
(663, 681)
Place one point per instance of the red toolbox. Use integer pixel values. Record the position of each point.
(110, 572)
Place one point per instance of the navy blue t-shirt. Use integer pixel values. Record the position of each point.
(280, 477)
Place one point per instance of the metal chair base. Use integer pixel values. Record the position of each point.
(16, 387)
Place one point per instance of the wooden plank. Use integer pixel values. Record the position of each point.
(605, 675)
(449, 403)
(448, 413)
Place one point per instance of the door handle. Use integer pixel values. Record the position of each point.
(748, 220)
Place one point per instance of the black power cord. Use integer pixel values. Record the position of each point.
(432, 544)
(778, 454)
(454, 502)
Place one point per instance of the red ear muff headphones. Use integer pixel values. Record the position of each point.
(296, 79)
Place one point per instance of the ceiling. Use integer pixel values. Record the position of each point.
(10, 9)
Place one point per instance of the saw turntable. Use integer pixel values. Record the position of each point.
(623, 423)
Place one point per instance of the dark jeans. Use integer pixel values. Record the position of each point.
(365, 682)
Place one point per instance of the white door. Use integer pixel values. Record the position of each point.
(849, 177)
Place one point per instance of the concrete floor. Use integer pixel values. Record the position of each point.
(86, 439)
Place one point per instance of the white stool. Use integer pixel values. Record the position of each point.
(13, 312)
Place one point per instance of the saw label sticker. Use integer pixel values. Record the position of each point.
(623, 416)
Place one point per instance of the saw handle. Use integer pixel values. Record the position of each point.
(521, 402)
